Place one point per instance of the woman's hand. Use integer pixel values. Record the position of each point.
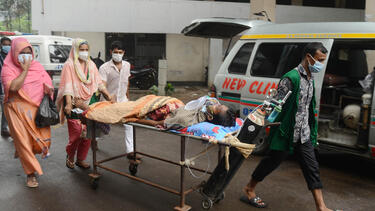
(79, 103)
(25, 65)
(68, 109)
(48, 90)
(113, 99)
(17, 83)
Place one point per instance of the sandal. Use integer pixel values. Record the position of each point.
(82, 164)
(69, 163)
(256, 201)
(31, 181)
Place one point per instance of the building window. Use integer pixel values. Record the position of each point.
(355, 4)
(284, 2)
(241, 60)
(319, 3)
(241, 1)
(275, 59)
(141, 50)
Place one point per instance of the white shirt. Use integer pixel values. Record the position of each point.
(116, 80)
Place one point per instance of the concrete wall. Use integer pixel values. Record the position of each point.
(187, 57)
(128, 16)
(160, 16)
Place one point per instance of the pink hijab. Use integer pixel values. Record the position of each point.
(74, 80)
(33, 86)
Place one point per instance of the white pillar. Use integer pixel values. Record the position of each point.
(162, 76)
(215, 59)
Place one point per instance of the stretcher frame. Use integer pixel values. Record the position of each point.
(182, 192)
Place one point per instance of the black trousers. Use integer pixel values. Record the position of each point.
(307, 160)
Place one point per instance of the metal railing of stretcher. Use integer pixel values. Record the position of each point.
(182, 192)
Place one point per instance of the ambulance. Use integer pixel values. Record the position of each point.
(265, 51)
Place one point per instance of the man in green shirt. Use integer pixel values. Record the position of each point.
(298, 129)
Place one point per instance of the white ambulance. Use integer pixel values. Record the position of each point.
(266, 51)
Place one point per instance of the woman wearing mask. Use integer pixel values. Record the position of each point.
(25, 82)
(79, 87)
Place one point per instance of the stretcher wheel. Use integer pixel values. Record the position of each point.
(207, 203)
(220, 197)
(133, 169)
(94, 182)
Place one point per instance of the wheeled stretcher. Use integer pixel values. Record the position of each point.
(237, 148)
(183, 163)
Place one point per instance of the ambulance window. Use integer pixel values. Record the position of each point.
(241, 60)
(275, 59)
(59, 53)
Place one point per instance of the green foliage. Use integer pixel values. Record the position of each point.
(17, 15)
(154, 90)
(169, 89)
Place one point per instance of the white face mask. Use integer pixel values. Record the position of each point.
(117, 57)
(26, 55)
(83, 55)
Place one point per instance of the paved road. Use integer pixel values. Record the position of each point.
(349, 182)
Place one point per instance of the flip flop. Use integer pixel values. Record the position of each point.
(256, 201)
(69, 163)
(31, 182)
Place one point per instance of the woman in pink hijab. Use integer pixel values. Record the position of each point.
(25, 82)
(80, 86)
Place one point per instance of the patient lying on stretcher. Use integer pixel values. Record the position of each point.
(162, 111)
(204, 109)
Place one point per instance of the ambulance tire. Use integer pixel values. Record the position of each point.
(262, 145)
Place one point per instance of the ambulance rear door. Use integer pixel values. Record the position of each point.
(232, 75)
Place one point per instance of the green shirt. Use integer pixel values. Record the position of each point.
(281, 137)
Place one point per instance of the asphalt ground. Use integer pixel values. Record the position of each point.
(349, 182)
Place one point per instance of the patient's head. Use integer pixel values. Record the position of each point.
(223, 116)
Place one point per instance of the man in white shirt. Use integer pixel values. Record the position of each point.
(115, 75)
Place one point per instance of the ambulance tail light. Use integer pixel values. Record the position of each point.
(373, 151)
(212, 91)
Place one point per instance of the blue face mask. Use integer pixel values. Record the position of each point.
(26, 55)
(5, 48)
(317, 67)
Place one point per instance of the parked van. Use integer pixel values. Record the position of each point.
(51, 52)
(266, 51)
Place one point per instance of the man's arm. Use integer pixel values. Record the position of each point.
(285, 85)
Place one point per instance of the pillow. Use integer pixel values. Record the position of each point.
(209, 130)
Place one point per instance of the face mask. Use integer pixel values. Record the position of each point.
(317, 67)
(5, 48)
(26, 55)
(83, 55)
(117, 57)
